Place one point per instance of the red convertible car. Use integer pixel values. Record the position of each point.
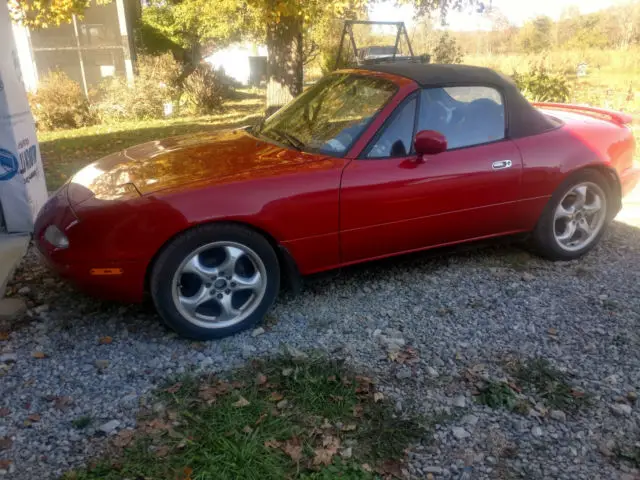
(365, 164)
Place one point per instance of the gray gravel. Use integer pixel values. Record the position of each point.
(469, 310)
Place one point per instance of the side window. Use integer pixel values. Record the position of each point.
(395, 140)
(466, 116)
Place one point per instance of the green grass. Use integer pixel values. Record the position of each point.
(550, 385)
(276, 419)
(64, 152)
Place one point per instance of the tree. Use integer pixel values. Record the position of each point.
(191, 27)
(447, 50)
(536, 35)
(46, 13)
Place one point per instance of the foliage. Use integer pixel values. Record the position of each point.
(447, 50)
(155, 85)
(205, 90)
(60, 103)
(46, 13)
(535, 36)
(539, 85)
(309, 418)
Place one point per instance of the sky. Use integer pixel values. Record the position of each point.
(518, 11)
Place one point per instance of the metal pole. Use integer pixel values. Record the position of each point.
(82, 73)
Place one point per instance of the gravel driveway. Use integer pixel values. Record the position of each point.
(462, 311)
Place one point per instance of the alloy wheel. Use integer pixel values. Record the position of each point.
(219, 284)
(580, 216)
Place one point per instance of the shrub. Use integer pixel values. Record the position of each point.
(155, 85)
(540, 85)
(205, 90)
(447, 50)
(60, 103)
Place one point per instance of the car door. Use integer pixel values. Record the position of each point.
(392, 202)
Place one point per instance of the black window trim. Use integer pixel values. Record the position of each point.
(413, 95)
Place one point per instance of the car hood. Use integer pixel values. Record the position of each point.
(178, 161)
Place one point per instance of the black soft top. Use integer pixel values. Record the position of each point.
(523, 119)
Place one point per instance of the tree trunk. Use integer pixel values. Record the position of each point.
(284, 65)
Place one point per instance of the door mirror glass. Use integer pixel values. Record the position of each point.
(430, 142)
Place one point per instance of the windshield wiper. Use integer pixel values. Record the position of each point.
(290, 139)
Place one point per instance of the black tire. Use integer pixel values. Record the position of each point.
(543, 239)
(180, 248)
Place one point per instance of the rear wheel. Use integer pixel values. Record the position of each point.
(575, 218)
(215, 280)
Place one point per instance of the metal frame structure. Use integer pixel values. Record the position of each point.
(347, 29)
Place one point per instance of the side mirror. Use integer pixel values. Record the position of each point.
(429, 142)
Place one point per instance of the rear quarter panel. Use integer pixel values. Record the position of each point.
(550, 157)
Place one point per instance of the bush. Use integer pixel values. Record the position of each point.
(447, 50)
(205, 90)
(155, 85)
(540, 85)
(60, 103)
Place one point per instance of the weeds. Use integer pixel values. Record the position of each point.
(310, 419)
(550, 384)
(498, 395)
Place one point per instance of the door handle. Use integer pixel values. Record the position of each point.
(499, 165)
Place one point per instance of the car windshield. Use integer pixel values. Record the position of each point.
(330, 115)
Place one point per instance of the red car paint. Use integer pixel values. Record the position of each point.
(327, 212)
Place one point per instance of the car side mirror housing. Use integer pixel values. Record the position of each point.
(429, 142)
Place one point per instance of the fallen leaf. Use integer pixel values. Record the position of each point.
(4, 412)
(4, 336)
(272, 443)
(366, 467)
(276, 397)
(39, 355)
(247, 429)
(105, 340)
(162, 451)
(61, 403)
(5, 443)
(553, 331)
(5, 464)
(358, 411)
(242, 402)
(187, 473)
(174, 388)
(336, 398)
(378, 397)
(282, 404)
(261, 379)
(293, 448)
(324, 455)
(391, 467)
(261, 418)
(123, 438)
(331, 378)
(349, 427)
(34, 417)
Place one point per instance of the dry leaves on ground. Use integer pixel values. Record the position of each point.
(324, 455)
(39, 355)
(105, 340)
(293, 448)
(242, 402)
(5, 443)
(124, 438)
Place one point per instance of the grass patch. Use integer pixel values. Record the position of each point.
(536, 378)
(498, 395)
(81, 422)
(280, 418)
(64, 152)
(550, 385)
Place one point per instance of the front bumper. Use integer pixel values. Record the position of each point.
(75, 265)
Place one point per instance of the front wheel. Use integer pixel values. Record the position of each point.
(575, 218)
(215, 280)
